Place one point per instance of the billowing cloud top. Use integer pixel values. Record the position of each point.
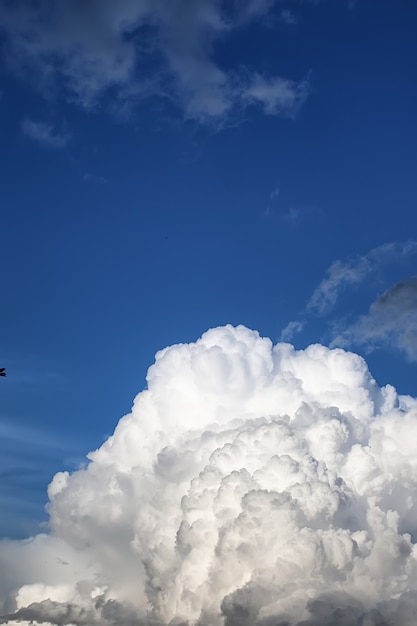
(251, 484)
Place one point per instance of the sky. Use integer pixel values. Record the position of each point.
(172, 167)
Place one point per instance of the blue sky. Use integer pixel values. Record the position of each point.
(166, 170)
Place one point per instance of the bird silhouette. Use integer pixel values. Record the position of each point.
(2, 371)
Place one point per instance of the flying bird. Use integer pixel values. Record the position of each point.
(2, 371)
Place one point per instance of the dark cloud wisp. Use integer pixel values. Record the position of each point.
(391, 319)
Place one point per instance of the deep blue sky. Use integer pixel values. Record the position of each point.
(128, 228)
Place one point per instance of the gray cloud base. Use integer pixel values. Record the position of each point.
(391, 319)
(342, 274)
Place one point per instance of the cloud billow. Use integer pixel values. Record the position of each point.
(134, 49)
(251, 484)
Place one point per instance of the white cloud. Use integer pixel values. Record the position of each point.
(296, 215)
(291, 329)
(274, 195)
(288, 17)
(275, 95)
(293, 216)
(391, 320)
(250, 485)
(388, 322)
(343, 274)
(45, 134)
(94, 178)
(136, 48)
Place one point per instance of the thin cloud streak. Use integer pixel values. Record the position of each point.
(388, 322)
(45, 134)
(341, 275)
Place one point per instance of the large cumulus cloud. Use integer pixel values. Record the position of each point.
(251, 484)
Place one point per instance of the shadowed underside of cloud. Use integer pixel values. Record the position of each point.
(102, 612)
(342, 274)
(137, 48)
(241, 609)
(392, 319)
(251, 485)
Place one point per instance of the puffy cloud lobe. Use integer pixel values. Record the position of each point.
(132, 49)
(251, 484)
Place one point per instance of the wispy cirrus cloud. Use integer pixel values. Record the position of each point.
(46, 135)
(88, 177)
(342, 274)
(292, 328)
(275, 95)
(288, 17)
(134, 49)
(391, 319)
(29, 456)
(296, 215)
(292, 216)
